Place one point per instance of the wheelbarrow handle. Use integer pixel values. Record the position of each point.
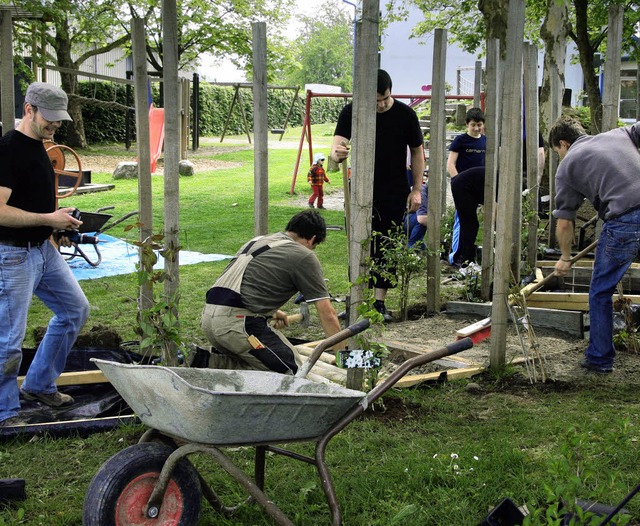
(350, 331)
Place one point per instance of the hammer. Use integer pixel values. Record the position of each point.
(303, 316)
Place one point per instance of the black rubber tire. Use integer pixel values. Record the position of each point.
(120, 489)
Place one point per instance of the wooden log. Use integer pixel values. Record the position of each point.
(306, 350)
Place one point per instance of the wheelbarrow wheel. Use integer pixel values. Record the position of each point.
(120, 490)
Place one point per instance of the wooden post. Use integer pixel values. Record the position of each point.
(363, 140)
(185, 116)
(141, 83)
(532, 130)
(492, 125)
(437, 169)
(511, 177)
(260, 130)
(171, 162)
(556, 83)
(7, 100)
(477, 84)
(611, 89)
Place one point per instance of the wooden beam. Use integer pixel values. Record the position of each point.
(542, 315)
(568, 300)
(456, 374)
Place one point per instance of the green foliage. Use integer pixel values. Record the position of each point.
(399, 264)
(323, 53)
(102, 124)
(575, 475)
(215, 103)
(158, 324)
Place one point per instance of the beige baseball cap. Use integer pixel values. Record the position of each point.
(50, 100)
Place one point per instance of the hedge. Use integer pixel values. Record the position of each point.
(105, 124)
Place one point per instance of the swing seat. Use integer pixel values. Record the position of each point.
(277, 131)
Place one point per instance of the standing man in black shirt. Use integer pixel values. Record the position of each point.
(397, 127)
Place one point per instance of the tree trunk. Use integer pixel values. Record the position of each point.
(554, 35)
(75, 136)
(586, 51)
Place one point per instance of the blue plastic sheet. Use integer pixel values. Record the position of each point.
(120, 257)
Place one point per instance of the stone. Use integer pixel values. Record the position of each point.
(126, 170)
(186, 168)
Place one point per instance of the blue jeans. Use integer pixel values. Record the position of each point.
(44, 272)
(415, 231)
(618, 246)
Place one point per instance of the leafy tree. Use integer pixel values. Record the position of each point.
(76, 31)
(586, 25)
(221, 28)
(323, 53)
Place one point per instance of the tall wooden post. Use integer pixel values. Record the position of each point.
(477, 84)
(492, 126)
(260, 130)
(437, 169)
(532, 130)
(141, 83)
(171, 162)
(510, 178)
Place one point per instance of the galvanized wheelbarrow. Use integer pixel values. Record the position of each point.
(94, 223)
(201, 410)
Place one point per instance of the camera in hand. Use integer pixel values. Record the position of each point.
(75, 236)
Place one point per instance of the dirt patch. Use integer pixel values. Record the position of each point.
(558, 352)
(107, 164)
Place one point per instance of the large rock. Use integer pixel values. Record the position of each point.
(126, 170)
(186, 168)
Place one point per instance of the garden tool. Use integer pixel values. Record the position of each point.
(481, 330)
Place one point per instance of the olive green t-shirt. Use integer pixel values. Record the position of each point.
(274, 276)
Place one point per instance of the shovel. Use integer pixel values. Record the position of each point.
(481, 330)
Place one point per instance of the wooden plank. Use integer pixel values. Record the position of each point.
(456, 374)
(568, 300)
(540, 314)
(408, 350)
(579, 277)
(77, 378)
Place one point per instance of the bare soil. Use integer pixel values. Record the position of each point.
(558, 352)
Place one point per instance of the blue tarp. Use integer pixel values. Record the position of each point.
(120, 257)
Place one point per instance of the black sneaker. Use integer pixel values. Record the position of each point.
(380, 307)
(601, 369)
(55, 399)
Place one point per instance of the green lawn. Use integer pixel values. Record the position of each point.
(442, 455)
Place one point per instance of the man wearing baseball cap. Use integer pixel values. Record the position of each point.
(29, 262)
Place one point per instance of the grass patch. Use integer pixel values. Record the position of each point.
(431, 456)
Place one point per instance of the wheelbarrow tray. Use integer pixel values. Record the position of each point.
(229, 407)
(92, 221)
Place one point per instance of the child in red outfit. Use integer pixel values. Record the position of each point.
(316, 178)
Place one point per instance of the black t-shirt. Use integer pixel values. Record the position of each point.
(25, 168)
(396, 128)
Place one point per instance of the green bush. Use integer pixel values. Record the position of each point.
(215, 103)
